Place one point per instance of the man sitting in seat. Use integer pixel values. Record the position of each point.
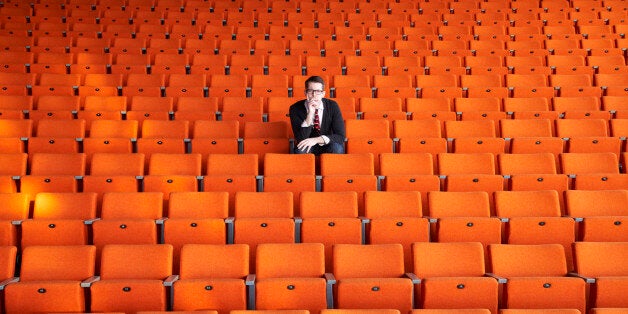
(317, 122)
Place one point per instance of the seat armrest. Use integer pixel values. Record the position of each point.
(499, 279)
(586, 279)
(90, 221)
(229, 223)
(5, 282)
(259, 182)
(330, 278)
(89, 281)
(363, 224)
(250, 285)
(415, 279)
(250, 279)
(170, 280)
(298, 223)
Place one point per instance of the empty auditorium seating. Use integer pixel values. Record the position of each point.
(122, 283)
(212, 276)
(397, 223)
(535, 275)
(372, 277)
(60, 219)
(128, 218)
(162, 125)
(292, 276)
(48, 272)
(600, 264)
(458, 222)
(349, 172)
(541, 224)
(263, 217)
(196, 218)
(331, 218)
(467, 280)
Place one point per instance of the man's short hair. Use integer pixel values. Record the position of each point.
(314, 79)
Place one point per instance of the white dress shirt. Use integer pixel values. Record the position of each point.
(320, 121)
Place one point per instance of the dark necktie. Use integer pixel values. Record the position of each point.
(317, 125)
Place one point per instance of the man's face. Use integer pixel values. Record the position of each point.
(315, 92)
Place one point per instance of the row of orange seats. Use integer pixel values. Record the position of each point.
(144, 7)
(194, 108)
(476, 188)
(423, 57)
(232, 16)
(361, 85)
(386, 163)
(491, 100)
(119, 14)
(585, 218)
(267, 89)
(586, 23)
(158, 180)
(78, 34)
(331, 68)
(291, 74)
(300, 43)
(351, 105)
(518, 136)
(365, 128)
(586, 199)
(449, 106)
(13, 149)
(242, 4)
(416, 61)
(361, 29)
(259, 276)
(360, 26)
(363, 24)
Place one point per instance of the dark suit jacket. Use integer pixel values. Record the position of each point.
(333, 124)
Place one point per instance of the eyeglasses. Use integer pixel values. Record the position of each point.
(314, 91)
